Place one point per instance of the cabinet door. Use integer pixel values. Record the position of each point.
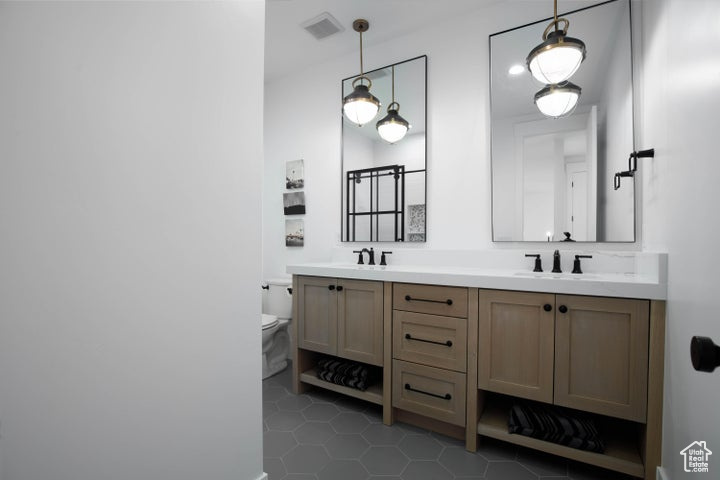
(516, 336)
(317, 314)
(360, 321)
(601, 355)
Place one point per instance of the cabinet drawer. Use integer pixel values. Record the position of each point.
(432, 299)
(428, 391)
(430, 340)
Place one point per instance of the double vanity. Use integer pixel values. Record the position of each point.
(458, 346)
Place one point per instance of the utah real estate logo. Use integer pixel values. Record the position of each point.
(696, 457)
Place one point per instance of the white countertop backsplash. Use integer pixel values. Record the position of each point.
(613, 274)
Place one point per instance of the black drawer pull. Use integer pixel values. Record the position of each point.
(447, 396)
(331, 287)
(408, 298)
(446, 344)
(339, 288)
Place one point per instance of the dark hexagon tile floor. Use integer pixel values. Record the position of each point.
(321, 435)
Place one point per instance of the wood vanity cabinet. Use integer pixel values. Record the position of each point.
(341, 317)
(456, 358)
(587, 353)
(516, 343)
(598, 355)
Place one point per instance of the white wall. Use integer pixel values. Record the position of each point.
(679, 118)
(130, 172)
(308, 126)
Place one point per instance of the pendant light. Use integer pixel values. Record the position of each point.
(361, 106)
(558, 100)
(393, 127)
(558, 57)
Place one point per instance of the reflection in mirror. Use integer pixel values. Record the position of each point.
(383, 184)
(551, 176)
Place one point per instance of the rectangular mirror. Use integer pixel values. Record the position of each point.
(551, 176)
(383, 184)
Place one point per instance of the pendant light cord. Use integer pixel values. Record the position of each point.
(393, 84)
(555, 23)
(361, 55)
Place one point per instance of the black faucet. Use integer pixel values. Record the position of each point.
(538, 262)
(576, 263)
(383, 261)
(360, 257)
(371, 255)
(556, 262)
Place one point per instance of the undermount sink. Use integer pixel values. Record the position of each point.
(562, 276)
(355, 266)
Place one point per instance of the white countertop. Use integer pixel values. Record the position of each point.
(625, 285)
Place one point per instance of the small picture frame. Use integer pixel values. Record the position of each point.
(294, 174)
(294, 203)
(294, 232)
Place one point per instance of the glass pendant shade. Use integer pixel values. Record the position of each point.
(392, 128)
(558, 100)
(556, 59)
(360, 106)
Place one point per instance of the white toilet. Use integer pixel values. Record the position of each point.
(277, 309)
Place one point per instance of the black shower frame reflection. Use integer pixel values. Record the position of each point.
(372, 176)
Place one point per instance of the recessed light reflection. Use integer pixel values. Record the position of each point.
(516, 70)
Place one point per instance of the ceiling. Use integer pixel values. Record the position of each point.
(289, 48)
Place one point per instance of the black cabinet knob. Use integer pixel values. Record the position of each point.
(331, 287)
(562, 308)
(339, 288)
(705, 355)
(547, 307)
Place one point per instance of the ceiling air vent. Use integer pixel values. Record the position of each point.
(322, 26)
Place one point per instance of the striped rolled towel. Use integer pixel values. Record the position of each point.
(344, 380)
(555, 425)
(345, 373)
(344, 367)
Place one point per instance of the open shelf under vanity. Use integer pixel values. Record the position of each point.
(621, 438)
(373, 394)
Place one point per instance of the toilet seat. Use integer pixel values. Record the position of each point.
(269, 321)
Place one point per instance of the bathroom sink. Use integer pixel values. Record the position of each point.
(355, 266)
(561, 276)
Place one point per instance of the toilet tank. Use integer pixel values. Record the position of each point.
(277, 299)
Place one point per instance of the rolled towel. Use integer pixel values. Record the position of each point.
(344, 367)
(556, 426)
(344, 380)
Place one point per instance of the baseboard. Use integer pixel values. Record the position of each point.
(662, 474)
(264, 476)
